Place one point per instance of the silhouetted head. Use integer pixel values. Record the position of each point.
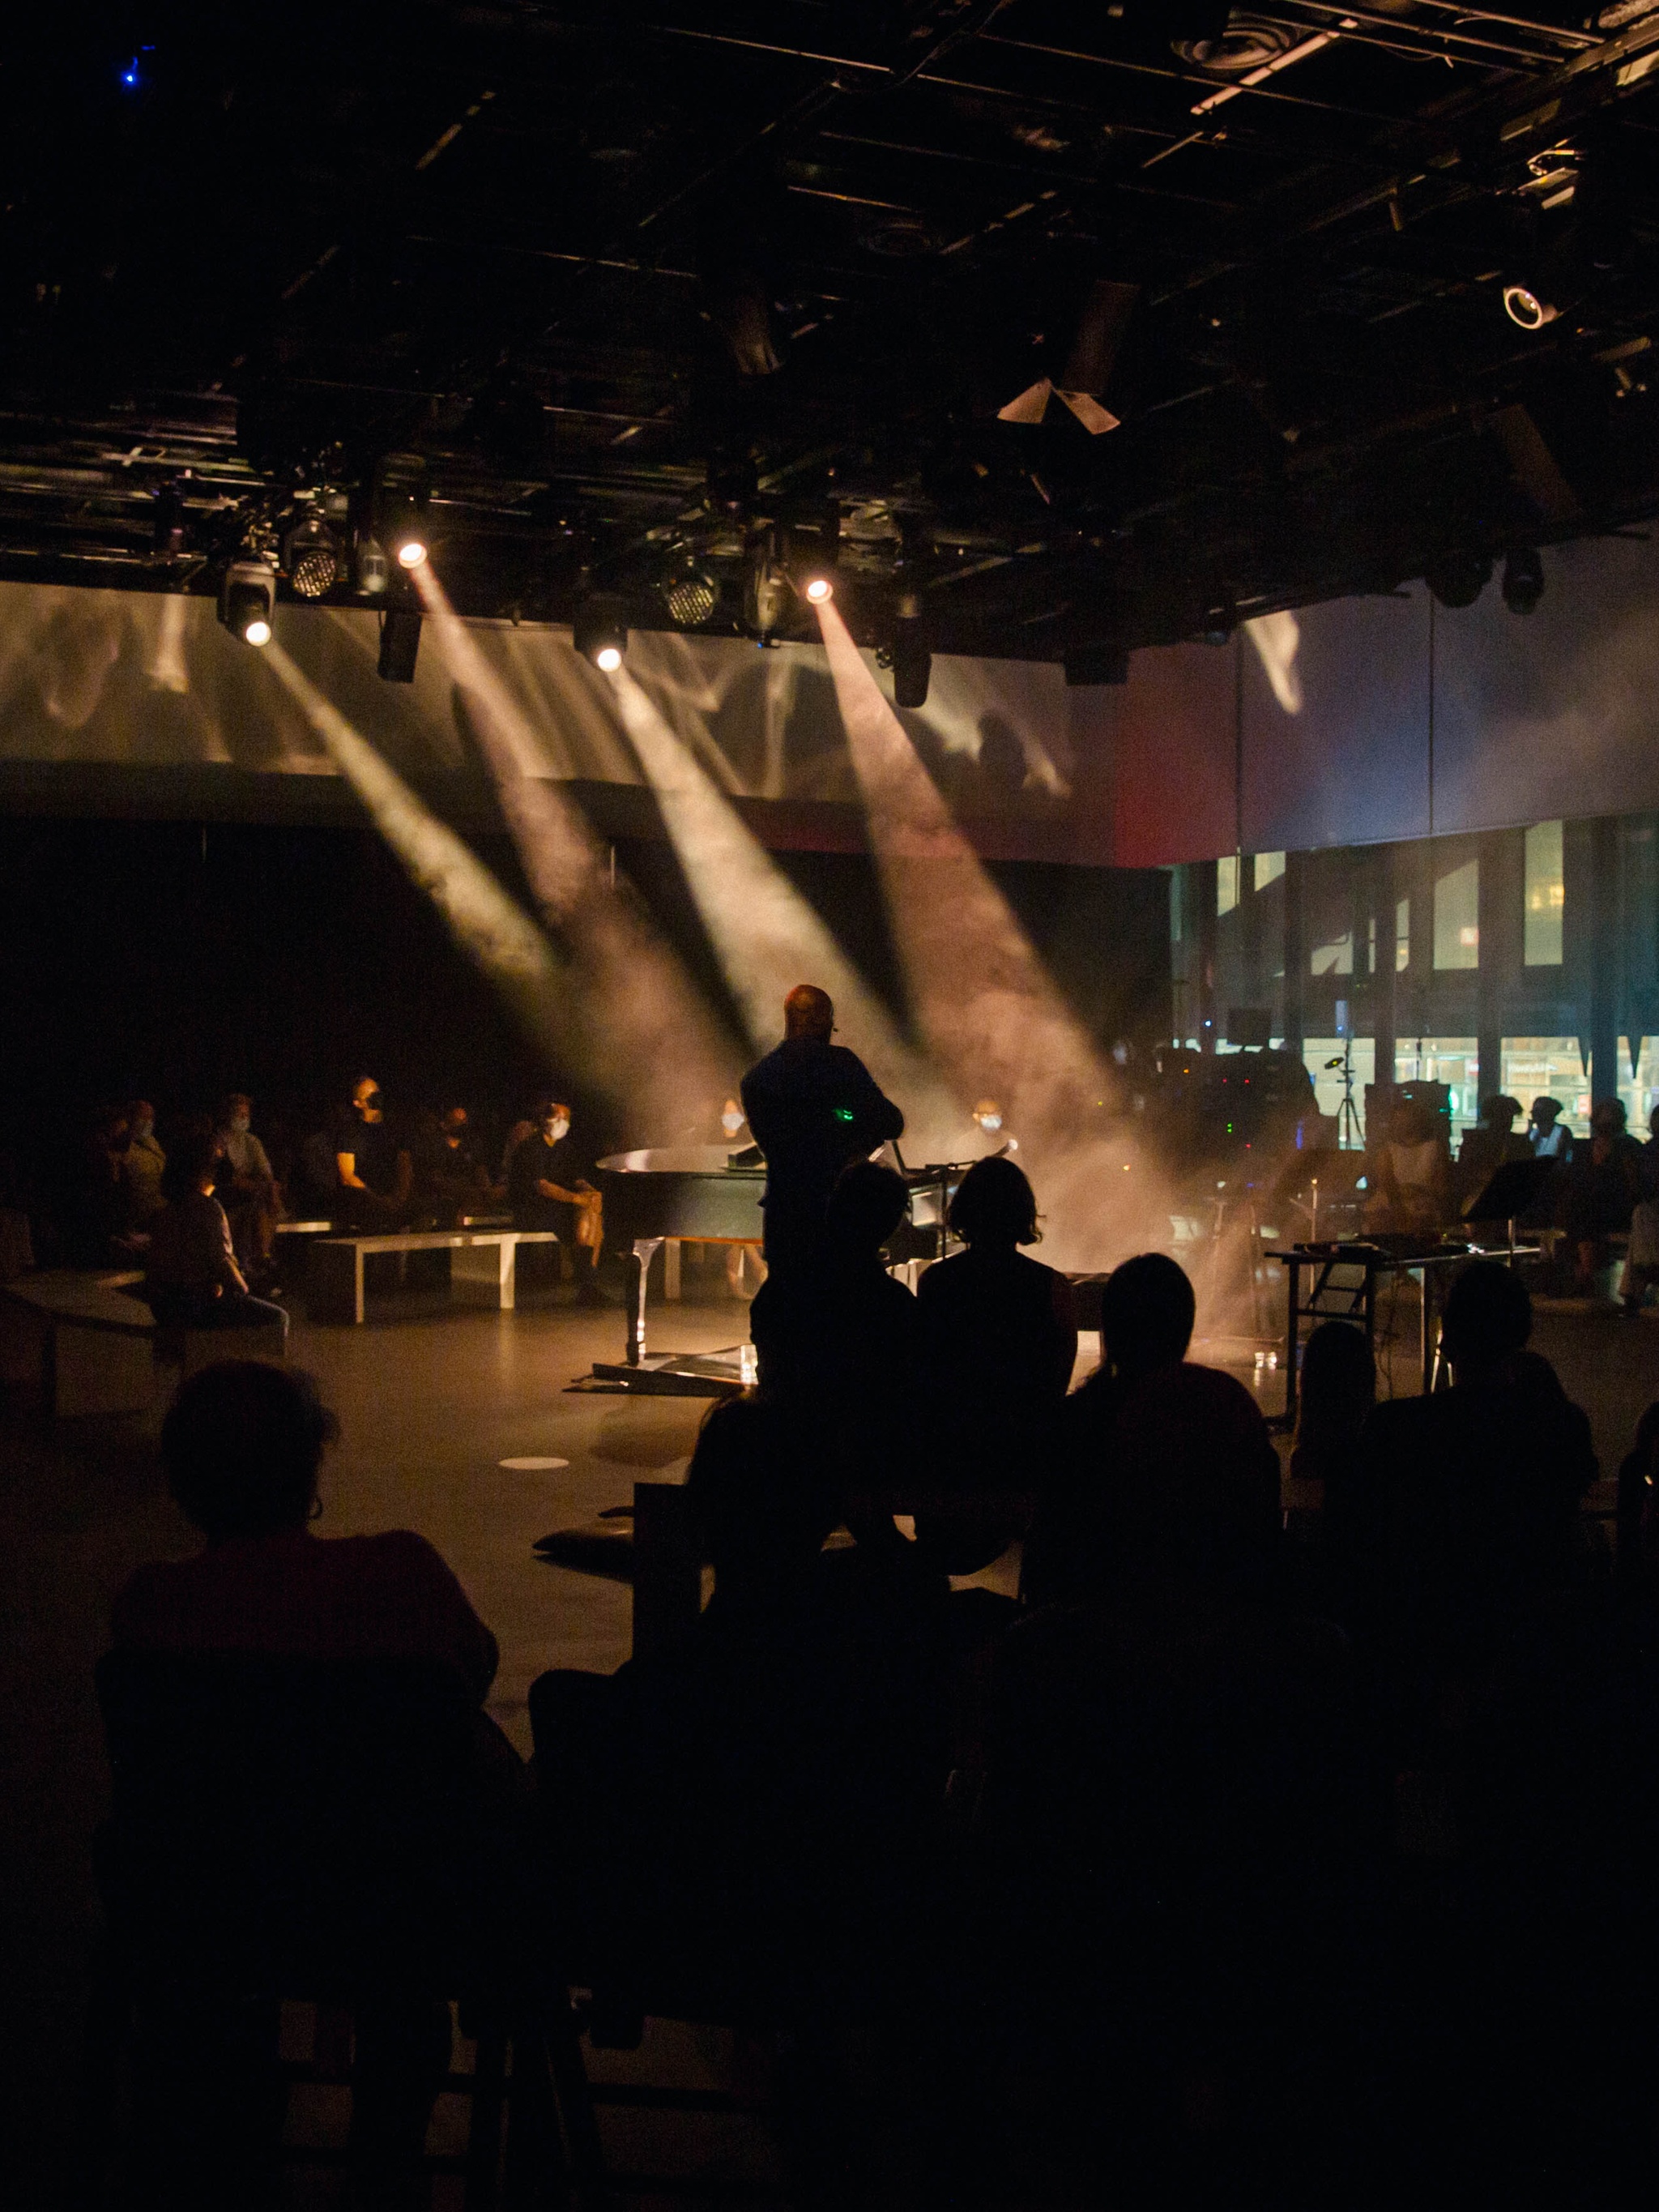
(1607, 1117)
(1146, 1315)
(1500, 1112)
(366, 1100)
(1488, 1318)
(1546, 1112)
(191, 1166)
(758, 1495)
(866, 1206)
(1339, 1383)
(241, 1444)
(141, 1119)
(995, 1204)
(808, 1012)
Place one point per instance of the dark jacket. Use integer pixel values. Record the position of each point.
(813, 1107)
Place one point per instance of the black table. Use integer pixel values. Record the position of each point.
(1330, 1299)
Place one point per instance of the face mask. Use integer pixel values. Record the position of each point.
(140, 1130)
(556, 1130)
(731, 1123)
(989, 1122)
(240, 1124)
(371, 1104)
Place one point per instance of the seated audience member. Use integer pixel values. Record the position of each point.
(1463, 1506)
(548, 1189)
(96, 1211)
(1642, 1261)
(142, 1163)
(375, 1173)
(998, 1341)
(1143, 1409)
(515, 1137)
(243, 1444)
(1604, 1182)
(842, 1339)
(1414, 1181)
(1337, 1397)
(450, 1177)
(1493, 1143)
(1548, 1135)
(192, 1280)
(757, 1782)
(247, 1185)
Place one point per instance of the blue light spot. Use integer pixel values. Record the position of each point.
(129, 74)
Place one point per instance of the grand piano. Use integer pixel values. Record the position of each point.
(699, 1191)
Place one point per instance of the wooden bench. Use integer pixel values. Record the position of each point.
(486, 1256)
(94, 1350)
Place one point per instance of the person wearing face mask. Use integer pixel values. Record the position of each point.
(376, 1173)
(143, 1165)
(548, 1188)
(247, 1185)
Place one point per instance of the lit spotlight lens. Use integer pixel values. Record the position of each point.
(609, 658)
(1526, 307)
(411, 553)
(818, 589)
(257, 632)
(691, 600)
(313, 571)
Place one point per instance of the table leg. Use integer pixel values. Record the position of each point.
(357, 1285)
(640, 1262)
(1292, 1336)
(671, 1268)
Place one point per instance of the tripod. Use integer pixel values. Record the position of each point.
(1350, 1138)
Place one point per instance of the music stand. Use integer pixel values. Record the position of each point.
(1510, 1191)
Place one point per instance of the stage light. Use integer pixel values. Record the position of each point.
(312, 557)
(400, 643)
(1523, 580)
(373, 569)
(1458, 577)
(1526, 308)
(817, 589)
(598, 630)
(247, 599)
(402, 492)
(806, 549)
(691, 599)
(913, 669)
(167, 528)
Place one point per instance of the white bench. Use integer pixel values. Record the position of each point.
(94, 1351)
(488, 1257)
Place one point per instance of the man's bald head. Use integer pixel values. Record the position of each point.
(807, 1012)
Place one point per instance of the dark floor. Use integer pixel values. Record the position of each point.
(430, 1403)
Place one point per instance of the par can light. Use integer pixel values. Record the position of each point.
(817, 589)
(247, 599)
(598, 630)
(1526, 308)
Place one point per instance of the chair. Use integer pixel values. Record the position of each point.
(297, 1830)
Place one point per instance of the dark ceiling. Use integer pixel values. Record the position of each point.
(638, 282)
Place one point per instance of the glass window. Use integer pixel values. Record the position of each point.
(1545, 895)
(1336, 958)
(1451, 1061)
(1639, 1091)
(1457, 917)
(1226, 884)
(1318, 1053)
(1548, 1068)
(1402, 936)
(1269, 866)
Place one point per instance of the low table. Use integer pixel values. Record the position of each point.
(484, 1256)
(95, 1350)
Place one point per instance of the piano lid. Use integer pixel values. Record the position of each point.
(679, 1159)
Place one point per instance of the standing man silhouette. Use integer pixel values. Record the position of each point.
(813, 1106)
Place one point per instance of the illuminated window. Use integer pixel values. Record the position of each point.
(1318, 1053)
(1269, 866)
(1336, 958)
(1549, 1067)
(1457, 918)
(1545, 895)
(1226, 884)
(1452, 1060)
(1639, 1091)
(1402, 936)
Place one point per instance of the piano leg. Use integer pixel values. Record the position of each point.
(645, 1249)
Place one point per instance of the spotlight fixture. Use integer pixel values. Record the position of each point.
(373, 569)
(1458, 577)
(691, 599)
(807, 549)
(817, 589)
(1526, 308)
(1523, 580)
(247, 599)
(402, 493)
(312, 557)
(913, 666)
(598, 630)
(400, 641)
(166, 525)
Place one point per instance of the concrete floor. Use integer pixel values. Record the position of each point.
(431, 1400)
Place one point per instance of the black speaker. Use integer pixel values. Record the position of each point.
(400, 641)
